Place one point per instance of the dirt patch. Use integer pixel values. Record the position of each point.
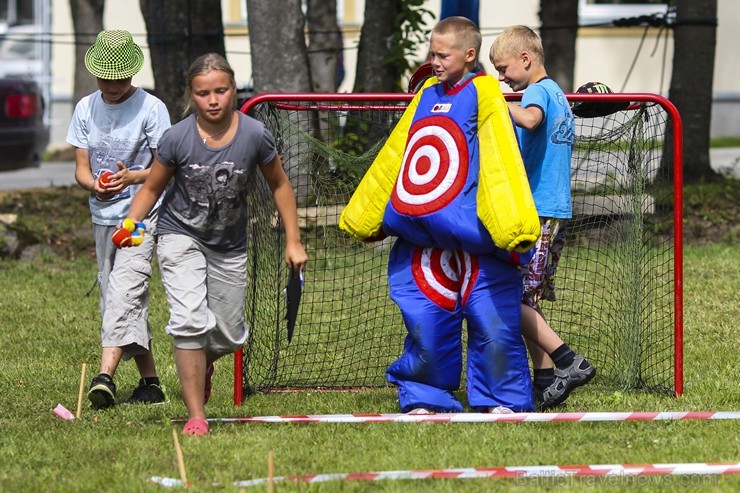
(55, 220)
(711, 212)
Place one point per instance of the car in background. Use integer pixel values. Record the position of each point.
(20, 52)
(23, 134)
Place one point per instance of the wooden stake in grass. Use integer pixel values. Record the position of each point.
(82, 390)
(180, 460)
(270, 472)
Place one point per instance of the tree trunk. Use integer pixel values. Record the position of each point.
(178, 32)
(87, 18)
(559, 30)
(695, 36)
(278, 46)
(280, 64)
(324, 45)
(372, 75)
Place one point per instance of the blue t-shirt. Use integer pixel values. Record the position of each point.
(547, 149)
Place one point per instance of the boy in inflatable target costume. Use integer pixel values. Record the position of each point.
(451, 185)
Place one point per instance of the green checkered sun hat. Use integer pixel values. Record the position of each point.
(114, 56)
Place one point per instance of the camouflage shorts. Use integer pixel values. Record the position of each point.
(538, 276)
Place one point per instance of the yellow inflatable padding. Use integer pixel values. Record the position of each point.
(505, 204)
(363, 216)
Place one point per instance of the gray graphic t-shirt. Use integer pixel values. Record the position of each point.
(208, 197)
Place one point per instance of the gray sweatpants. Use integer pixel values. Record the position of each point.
(123, 278)
(206, 292)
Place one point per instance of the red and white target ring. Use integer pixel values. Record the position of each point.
(469, 274)
(444, 275)
(434, 168)
(437, 275)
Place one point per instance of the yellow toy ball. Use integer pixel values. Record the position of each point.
(137, 239)
(129, 225)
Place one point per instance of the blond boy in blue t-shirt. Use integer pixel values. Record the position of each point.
(545, 128)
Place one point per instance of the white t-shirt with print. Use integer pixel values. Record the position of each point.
(125, 132)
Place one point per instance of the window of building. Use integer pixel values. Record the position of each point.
(604, 11)
(343, 7)
(16, 12)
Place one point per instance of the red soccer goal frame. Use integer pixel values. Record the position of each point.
(336, 99)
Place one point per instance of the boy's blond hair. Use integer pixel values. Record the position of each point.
(515, 40)
(464, 30)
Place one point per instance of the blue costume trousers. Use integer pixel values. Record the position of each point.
(436, 290)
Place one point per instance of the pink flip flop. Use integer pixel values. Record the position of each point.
(195, 427)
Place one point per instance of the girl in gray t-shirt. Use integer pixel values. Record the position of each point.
(212, 156)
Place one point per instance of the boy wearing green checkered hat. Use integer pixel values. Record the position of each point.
(115, 131)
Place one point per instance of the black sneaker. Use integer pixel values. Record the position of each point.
(146, 394)
(580, 372)
(102, 392)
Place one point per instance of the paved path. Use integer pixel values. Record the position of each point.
(49, 174)
(724, 160)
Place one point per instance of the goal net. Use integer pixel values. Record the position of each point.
(618, 281)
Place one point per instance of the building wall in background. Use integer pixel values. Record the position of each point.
(603, 54)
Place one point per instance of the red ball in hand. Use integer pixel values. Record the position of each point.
(121, 237)
(105, 178)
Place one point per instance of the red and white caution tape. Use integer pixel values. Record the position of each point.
(480, 417)
(500, 472)
(513, 472)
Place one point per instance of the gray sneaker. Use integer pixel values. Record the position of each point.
(420, 410)
(580, 372)
(500, 410)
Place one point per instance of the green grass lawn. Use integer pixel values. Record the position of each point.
(49, 328)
